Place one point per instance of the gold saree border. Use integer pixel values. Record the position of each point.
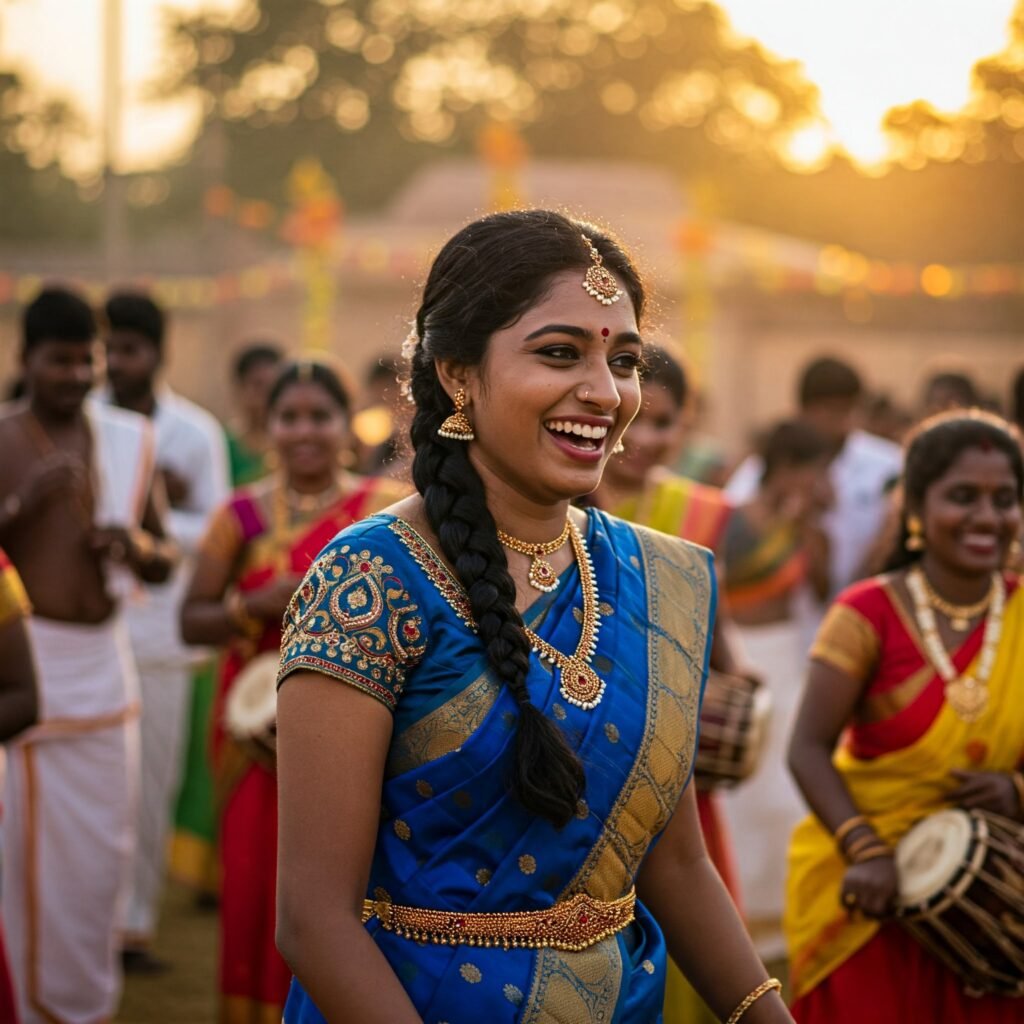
(679, 591)
(575, 988)
(442, 730)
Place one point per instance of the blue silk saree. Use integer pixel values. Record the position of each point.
(380, 611)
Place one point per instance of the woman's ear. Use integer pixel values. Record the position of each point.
(454, 376)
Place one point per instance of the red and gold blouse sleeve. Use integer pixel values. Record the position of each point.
(352, 619)
(848, 639)
(14, 602)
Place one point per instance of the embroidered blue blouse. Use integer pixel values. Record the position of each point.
(379, 610)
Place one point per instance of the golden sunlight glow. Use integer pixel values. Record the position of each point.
(867, 56)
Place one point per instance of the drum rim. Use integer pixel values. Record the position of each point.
(960, 880)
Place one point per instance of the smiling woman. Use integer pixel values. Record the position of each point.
(489, 700)
(920, 670)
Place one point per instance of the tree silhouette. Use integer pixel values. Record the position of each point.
(374, 87)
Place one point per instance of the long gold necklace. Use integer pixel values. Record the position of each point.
(542, 574)
(959, 615)
(579, 684)
(968, 693)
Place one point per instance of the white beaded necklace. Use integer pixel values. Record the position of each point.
(967, 694)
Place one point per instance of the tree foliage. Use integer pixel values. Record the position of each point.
(38, 201)
(374, 87)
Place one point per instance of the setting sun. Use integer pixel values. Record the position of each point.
(869, 56)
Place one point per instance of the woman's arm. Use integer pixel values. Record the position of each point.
(332, 742)
(19, 700)
(829, 700)
(702, 927)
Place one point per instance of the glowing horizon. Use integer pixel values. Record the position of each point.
(864, 57)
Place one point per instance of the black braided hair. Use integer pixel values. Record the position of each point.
(483, 280)
(933, 447)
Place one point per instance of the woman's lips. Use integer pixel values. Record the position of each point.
(565, 442)
(980, 543)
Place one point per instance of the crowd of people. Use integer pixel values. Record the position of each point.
(420, 720)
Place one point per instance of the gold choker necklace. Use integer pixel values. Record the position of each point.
(959, 615)
(542, 573)
(579, 684)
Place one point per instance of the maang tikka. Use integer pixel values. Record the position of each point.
(598, 281)
(457, 427)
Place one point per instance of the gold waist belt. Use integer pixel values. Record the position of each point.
(571, 925)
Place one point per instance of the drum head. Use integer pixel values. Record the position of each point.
(931, 855)
(251, 705)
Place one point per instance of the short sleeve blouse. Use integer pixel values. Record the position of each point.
(353, 619)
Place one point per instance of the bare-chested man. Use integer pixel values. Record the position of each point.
(79, 522)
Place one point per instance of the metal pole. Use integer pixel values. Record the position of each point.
(114, 222)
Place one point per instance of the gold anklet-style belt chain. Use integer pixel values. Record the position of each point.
(572, 925)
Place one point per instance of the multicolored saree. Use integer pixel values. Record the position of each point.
(381, 612)
(896, 761)
(254, 979)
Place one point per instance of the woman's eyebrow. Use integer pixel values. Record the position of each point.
(580, 332)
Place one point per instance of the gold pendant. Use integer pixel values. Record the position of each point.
(959, 625)
(580, 684)
(967, 698)
(542, 575)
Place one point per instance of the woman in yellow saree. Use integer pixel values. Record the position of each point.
(921, 672)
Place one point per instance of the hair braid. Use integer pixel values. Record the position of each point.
(547, 777)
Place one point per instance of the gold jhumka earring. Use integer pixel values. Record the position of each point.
(915, 530)
(598, 281)
(457, 427)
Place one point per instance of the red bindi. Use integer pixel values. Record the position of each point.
(985, 444)
(605, 332)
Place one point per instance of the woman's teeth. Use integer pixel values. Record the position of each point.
(584, 436)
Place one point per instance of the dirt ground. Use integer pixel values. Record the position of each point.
(186, 992)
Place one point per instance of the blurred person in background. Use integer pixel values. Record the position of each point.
(254, 554)
(912, 704)
(703, 457)
(949, 389)
(375, 426)
(81, 522)
(638, 487)
(773, 547)
(191, 460)
(861, 470)
(19, 709)
(885, 418)
(254, 371)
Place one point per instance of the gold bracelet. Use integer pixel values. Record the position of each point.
(861, 844)
(873, 853)
(848, 826)
(748, 1002)
(234, 607)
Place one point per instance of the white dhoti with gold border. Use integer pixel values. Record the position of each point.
(69, 821)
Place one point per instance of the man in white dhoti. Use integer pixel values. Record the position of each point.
(191, 457)
(79, 523)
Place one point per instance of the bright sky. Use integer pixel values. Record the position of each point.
(864, 55)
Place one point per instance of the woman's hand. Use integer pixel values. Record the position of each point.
(871, 887)
(986, 791)
(271, 602)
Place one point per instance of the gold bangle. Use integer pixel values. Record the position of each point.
(234, 607)
(873, 853)
(748, 1002)
(848, 826)
(858, 845)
